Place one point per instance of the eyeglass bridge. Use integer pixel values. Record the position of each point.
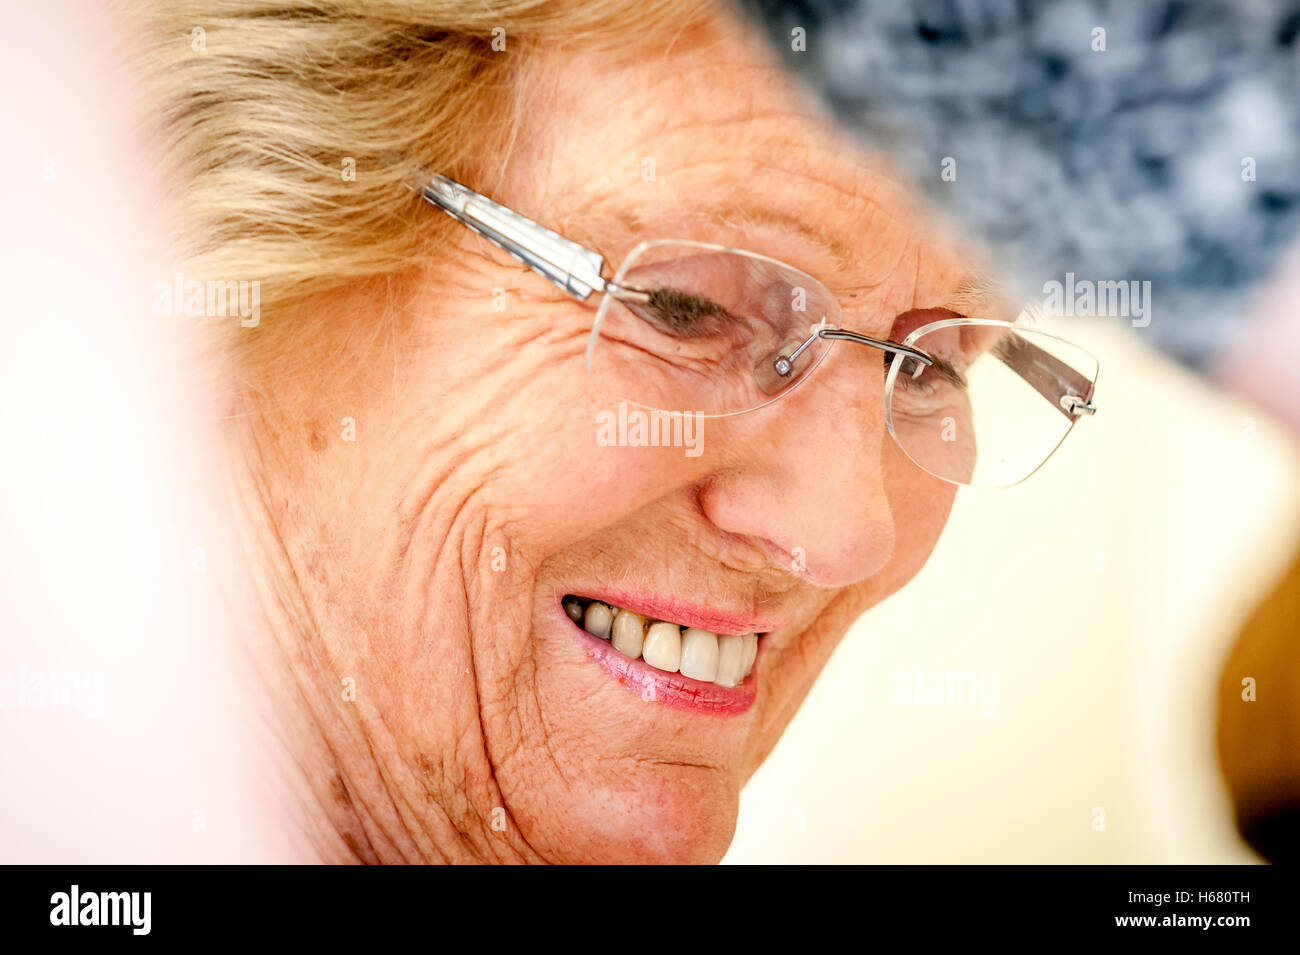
(783, 365)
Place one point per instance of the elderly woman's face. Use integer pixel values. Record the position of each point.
(466, 715)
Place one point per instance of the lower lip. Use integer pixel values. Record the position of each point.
(659, 686)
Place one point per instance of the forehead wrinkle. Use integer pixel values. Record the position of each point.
(772, 127)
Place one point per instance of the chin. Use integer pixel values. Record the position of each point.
(670, 815)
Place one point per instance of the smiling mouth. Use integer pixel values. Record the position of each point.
(722, 659)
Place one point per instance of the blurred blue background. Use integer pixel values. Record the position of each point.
(1129, 161)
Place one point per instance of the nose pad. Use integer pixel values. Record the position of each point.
(783, 368)
(787, 365)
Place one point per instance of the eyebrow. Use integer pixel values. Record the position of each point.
(977, 295)
(748, 215)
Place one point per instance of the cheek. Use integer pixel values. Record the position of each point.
(920, 504)
(569, 458)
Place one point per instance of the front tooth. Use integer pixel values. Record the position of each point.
(663, 646)
(731, 660)
(751, 650)
(629, 633)
(597, 620)
(699, 655)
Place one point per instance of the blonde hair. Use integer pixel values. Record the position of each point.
(264, 107)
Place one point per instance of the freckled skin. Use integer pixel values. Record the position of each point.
(423, 559)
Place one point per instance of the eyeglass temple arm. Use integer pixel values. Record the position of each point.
(572, 267)
(1064, 388)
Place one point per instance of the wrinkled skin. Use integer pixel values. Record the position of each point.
(434, 703)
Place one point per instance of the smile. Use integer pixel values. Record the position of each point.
(723, 659)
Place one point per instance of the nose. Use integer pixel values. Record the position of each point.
(809, 488)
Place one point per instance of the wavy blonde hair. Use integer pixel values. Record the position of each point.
(263, 105)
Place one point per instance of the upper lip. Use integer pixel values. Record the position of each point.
(685, 612)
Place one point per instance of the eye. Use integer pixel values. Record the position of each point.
(918, 381)
(949, 353)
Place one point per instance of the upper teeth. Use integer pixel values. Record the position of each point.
(725, 659)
